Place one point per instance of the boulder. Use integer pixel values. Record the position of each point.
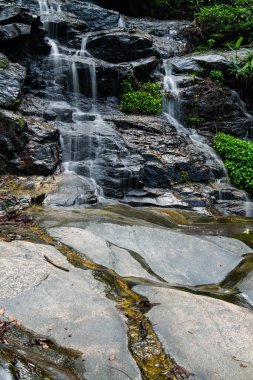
(12, 76)
(69, 189)
(95, 17)
(199, 64)
(120, 46)
(12, 32)
(27, 147)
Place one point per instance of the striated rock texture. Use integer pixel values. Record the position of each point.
(27, 148)
(12, 76)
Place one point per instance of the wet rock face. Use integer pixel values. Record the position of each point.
(27, 148)
(21, 32)
(120, 46)
(95, 17)
(12, 76)
(211, 108)
(133, 152)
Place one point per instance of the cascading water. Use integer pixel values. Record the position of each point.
(243, 110)
(122, 21)
(171, 107)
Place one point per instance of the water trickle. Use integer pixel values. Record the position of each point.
(171, 107)
(122, 21)
(243, 111)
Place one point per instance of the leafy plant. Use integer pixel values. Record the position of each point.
(146, 100)
(227, 20)
(243, 69)
(217, 75)
(238, 156)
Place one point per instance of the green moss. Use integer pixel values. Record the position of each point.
(238, 156)
(4, 63)
(195, 121)
(22, 122)
(146, 100)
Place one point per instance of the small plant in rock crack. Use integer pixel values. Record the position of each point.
(217, 76)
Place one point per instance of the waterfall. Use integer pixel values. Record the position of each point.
(243, 110)
(88, 60)
(171, 107)
(122, 21)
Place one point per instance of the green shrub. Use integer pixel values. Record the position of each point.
(147, 100)
(227, 21)
(238, 159)
(217, 75)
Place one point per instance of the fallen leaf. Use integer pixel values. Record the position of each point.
(243, 365)
(2, 311)
(112, 357)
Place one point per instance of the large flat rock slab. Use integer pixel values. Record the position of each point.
(101, 251)
(73, 303)
(209, 337)
(174, 256)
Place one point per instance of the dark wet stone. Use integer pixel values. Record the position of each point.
(95, 17)
(27, 147)
(120, 46)
(12, 76)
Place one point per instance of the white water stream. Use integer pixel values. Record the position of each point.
(171, 107)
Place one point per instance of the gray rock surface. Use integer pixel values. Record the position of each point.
(200, 64)
(12, 76)
(101, 251)
(174, 256)
(209, 337)
(70, 189)
(72, 303)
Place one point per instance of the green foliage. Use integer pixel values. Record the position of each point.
(243, 69)
(147, 100)
(228, 20)
(217, 75)
(195, 120)
(238, 156)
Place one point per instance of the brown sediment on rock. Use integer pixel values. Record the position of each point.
(144, 345)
